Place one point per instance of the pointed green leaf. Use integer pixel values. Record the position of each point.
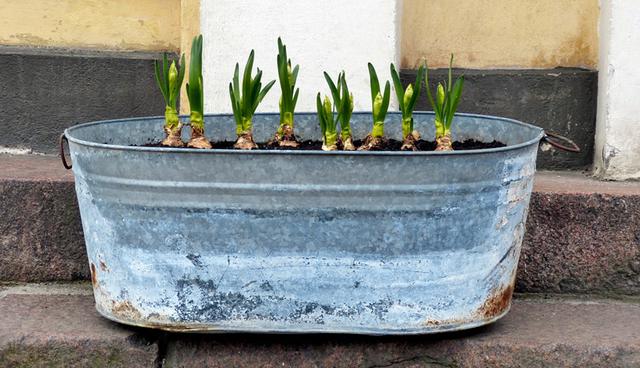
(165, 68)
(201, 91)
(397, 84)
(321, 117)
(375, 84)
(246, 78)
(345, 89)
(283, 73)
(455, 99)
(295, 100)
(416, 89)
(333, 88)
(283, 77)
(294, 75)
(450, 66)
(183, 69)
(429, 95)
(265, 90)
(385, 100)
(160, 82)
(256, 85)
(234, 106)
(236, 83)
(282, 50)
(194, 87)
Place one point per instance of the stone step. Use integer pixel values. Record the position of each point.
(56, 325)
(583, 235)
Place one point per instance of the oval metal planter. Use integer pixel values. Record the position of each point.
(303, 241)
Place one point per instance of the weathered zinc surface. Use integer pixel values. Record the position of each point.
(276, 241)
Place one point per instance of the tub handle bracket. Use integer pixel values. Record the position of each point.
(63, 139)
(560, 142)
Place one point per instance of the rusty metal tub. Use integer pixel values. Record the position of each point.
(303, 241)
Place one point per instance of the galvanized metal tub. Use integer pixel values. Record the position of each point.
(303, 241)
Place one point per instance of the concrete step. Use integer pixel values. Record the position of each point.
(583, 235)
(55, 325)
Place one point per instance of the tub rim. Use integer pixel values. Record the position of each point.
(68, 134)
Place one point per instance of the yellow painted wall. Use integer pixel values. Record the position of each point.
(130, 25)
(501, 33)
(481, 33)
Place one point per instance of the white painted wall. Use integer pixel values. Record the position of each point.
(617, 151)
(328, 35)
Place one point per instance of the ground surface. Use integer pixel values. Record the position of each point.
(56, 325)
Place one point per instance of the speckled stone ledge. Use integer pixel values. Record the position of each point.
(56, 325)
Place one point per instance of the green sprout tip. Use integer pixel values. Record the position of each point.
(343, 102)
(407, 99)
(445, 105)
(287, 76)
(195, 94)
(245, 99)
(328, 124)
(169, 79)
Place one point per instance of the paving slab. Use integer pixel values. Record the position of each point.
(56, 325)
(58, 328)
(536, 333)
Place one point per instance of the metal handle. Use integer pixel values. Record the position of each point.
(556, 140)
(66, 165)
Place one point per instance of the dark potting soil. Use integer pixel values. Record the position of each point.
(388, 145)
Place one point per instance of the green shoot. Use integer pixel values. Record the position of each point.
(327, 124)
(169, 80)
(379, 103)
(245, 99)
(445, 106)
(287, 76)
(407, 98)
(195, 93)
(343, 102)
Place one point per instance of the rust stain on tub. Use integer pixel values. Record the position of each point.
(125, 310)
(432, 322)
(178, 327)
(162, 322)
(498, 301)
(94, 276)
